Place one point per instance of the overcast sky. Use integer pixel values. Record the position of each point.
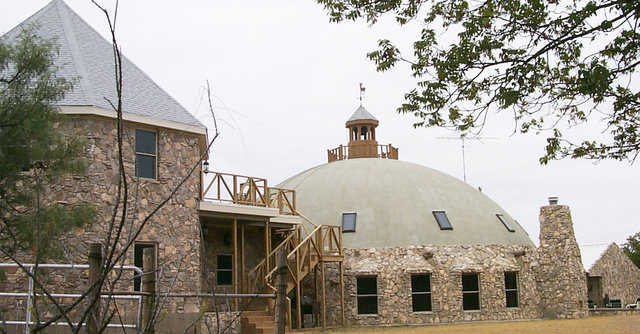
(285, 80)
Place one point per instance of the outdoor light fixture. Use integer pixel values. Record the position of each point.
(206, 166)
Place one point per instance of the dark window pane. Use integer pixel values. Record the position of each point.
(145, 142)
(420, 283)
(145, 166)
(367, 285)
(443, 221)
(224, 277)
(224, 261)
(510, 281)
(470, 301)
(504, 222)
(421, 302)
(348, 222)
(138, 251)
(512, 298)
(470, 282)
(368, 305)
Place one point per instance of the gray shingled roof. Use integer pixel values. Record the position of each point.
(361, 113)
(84, 54)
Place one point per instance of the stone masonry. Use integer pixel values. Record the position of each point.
(560, 275)
(174, 228)
(393, 268)
(620, 276)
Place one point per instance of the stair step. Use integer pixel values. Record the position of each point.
(255, 313)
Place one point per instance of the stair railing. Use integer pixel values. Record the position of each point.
(257, 275)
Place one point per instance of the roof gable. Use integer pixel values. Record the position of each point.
(86, 56)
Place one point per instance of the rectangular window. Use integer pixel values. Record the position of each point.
(367, 294)
(145, 154)
(224, 270)
(511, 288)
(138, 252)
(505, 222)
(470, 292)
(421, 292)
(443, 220)
(349, 222)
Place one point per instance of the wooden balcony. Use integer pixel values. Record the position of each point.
(343, 152)
(247, 190)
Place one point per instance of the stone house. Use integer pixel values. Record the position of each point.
(370, 239)
(613, 275)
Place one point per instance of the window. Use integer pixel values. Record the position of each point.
(349, 222)
(443, 221)
(511, 288)
(363, 133)
(138, 252)
(421, 292)
(367, 294)
(470, 292)
(145, 154)
(224, 270)
(505, 222)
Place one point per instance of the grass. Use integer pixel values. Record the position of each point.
(622, 324)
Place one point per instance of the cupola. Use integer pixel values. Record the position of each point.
(361, 129)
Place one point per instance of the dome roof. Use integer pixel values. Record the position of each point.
(361, 114)
(394, 202)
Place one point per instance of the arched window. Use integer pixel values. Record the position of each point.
(355, 133)
(363, 132)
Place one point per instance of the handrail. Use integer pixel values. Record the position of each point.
(344, 152)
(248, 190)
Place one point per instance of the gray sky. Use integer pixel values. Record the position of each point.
(286, 80)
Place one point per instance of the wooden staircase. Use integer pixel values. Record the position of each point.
(323, 244)
(257, 322)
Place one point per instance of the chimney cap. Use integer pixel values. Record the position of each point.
(553, 200)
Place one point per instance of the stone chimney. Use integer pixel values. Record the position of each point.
(560, 276)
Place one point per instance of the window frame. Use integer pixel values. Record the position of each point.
(155, 156)
(358, 296)
(504, 222)
(224, 270)
(137, 280)
(471, 291)
(516, 290)
(428, 293)
(355, 220)
(443, 228)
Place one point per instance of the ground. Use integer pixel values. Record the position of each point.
(623, 324)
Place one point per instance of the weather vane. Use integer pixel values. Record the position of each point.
(362, 89)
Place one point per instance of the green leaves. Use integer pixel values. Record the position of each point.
(632, 248)
(34, 155)
(524, 57)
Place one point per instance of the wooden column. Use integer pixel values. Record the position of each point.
(243, 279)
(267, 248)
(324, 299)
(342, 291)
(298, 292)
(95, 265)
(235, 261)
(149, 286)
(281, 291)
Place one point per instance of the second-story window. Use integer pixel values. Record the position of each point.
(145, 154)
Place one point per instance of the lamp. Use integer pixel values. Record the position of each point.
(206, 166)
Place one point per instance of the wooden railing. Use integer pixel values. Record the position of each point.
(248, 190)
(342, 153)
(283, 199)
(256, 276)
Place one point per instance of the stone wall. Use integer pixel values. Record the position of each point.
(560, 276)
(394, 267)
(174, 228)
(620, 276)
